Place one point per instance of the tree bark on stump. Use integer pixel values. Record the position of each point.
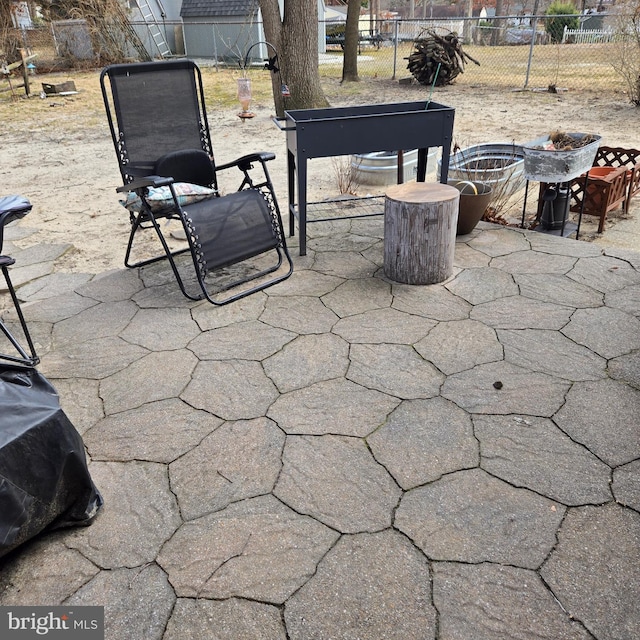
(420, 221)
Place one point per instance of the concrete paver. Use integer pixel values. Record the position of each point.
(598, 543)
(422, 440)
(368, 586)
(626, 484)
(471, 516)
(238, 460)
(459, 345)
(604, 416)
(258, 549)
(344, 457)
(534, 453)
(224, 620)
(160, 431)
(488, 601)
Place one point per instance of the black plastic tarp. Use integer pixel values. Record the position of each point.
(44, 478)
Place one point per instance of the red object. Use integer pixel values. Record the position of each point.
(600, 172)
(613, 180)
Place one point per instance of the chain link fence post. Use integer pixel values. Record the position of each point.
(395, 49)
(531, 46)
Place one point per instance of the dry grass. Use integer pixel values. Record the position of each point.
(574, 66)
(65, 113)
(87, 108)
(577, 66)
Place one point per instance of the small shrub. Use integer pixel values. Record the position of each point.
(506, 194)
(563, 14)
(626, 61)
(347, 175)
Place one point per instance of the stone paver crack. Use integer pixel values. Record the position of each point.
(332, 457)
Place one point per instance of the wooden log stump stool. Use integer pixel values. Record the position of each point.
(420, 221)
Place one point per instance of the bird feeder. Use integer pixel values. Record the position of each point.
(244, 96)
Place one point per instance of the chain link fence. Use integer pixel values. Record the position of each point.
(511, 52)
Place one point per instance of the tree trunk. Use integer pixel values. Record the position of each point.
(375, 16)
(350, 61)
(272, 25)
(295, 38)
(466, 27)
(496, 35)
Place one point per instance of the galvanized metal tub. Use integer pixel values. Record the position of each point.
(554, 165)
(381, 167)
(500, 165)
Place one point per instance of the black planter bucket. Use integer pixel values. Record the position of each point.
(474, 200)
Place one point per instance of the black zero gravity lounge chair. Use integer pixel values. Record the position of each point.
(159, 126)
(13, 208)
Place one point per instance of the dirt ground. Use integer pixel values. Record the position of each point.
(70, 177)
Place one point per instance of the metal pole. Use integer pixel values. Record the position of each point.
(215, 47)
(395, 48)
(533, 40)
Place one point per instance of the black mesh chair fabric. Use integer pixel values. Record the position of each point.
(158, 110)
(158, 122)
(232, 229)
(12, 208)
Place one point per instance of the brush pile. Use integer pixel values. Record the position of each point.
(437, 59)
(565, 141)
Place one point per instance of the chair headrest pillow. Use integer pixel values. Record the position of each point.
(188, 165)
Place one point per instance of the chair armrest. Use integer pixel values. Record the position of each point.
(147, 181)
(245, 161)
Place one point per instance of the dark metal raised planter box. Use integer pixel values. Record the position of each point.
(339, 131)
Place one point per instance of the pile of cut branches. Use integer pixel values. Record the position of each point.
(565, 142)
(437, 59)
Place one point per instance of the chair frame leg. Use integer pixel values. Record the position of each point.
(282, 253)
(136, 224)
(138, 221)
(30, 359)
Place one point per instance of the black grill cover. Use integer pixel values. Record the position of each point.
(44, 479)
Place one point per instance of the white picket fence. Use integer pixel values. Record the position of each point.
(587, 36)
(411, 29)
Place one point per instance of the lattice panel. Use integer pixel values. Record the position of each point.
(617, 157)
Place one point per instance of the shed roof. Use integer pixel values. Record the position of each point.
(218, 8)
